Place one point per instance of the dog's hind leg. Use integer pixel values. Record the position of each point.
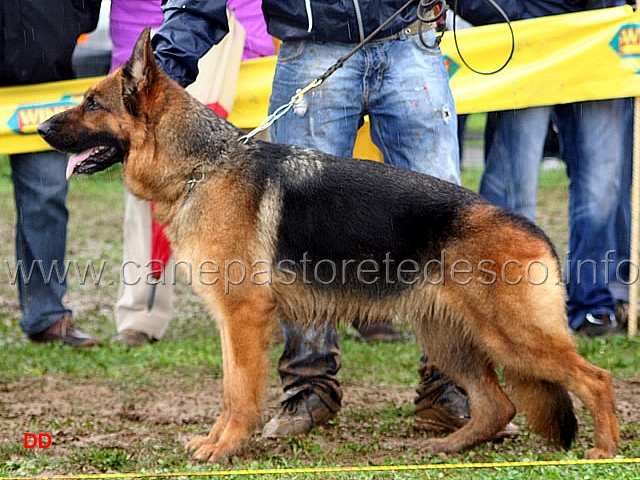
(491, 409)
(563, 368)
(246, 330)
(530, 339)
(594, 387)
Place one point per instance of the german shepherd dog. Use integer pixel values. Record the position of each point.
(297, 234)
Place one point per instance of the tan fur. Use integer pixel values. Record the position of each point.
(467, 328)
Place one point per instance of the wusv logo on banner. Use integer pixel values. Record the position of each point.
(627, 41)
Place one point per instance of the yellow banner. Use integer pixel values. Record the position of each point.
(589, 55)
(558, 59)
(22, 109)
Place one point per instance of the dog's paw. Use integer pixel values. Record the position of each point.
(217, 453)
(206, 453)
(599, 453)
(197, 442)
(437, 445)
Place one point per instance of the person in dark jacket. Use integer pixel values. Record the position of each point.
(401, 82)
(36, 45)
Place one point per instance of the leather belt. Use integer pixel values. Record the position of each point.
(407, 31)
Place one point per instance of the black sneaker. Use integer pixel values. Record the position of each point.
(598, 325)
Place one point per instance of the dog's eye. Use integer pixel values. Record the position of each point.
(92, 104)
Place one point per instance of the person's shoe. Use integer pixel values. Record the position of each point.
(443, 407)
(510, 431)
(66, 331)
(297, 416)
(133, 338)
(376, 332)
(598, 325)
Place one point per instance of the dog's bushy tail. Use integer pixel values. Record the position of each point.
(547, 407)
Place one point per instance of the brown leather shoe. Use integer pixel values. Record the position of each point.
(66, 331)
(133, 338)
(376, 331)
(298, 416)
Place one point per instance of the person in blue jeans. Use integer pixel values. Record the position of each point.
(620, 275)
(591, 145)
(40, 186)
(402, 84)
(403, 87)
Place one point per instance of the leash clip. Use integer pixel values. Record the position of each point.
(297, 98)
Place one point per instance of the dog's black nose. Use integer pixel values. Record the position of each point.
(44, 128)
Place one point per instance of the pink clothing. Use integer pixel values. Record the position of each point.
(249, 13)
(127, 19)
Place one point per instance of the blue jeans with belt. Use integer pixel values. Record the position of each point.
(591, 144)
(40, 191)
(404, 88)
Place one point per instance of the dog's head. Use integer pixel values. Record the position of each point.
(101, 130)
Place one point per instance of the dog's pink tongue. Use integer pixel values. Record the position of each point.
(75, 159)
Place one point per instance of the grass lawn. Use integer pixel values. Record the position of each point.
(111, 410)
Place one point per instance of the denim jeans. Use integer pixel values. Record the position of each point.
(40, 191)
(401, 85)
(619, 268)
(591, 144)
(404, 88)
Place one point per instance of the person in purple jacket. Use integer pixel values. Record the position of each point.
(136, 324)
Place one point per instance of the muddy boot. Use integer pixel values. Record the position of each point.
(441, 405)
(298, 415)
(307, 367)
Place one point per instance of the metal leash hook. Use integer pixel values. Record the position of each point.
(432, 11)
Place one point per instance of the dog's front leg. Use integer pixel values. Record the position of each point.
(246, 329)
(218, 427)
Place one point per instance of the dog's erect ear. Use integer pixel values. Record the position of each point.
(141, 67)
